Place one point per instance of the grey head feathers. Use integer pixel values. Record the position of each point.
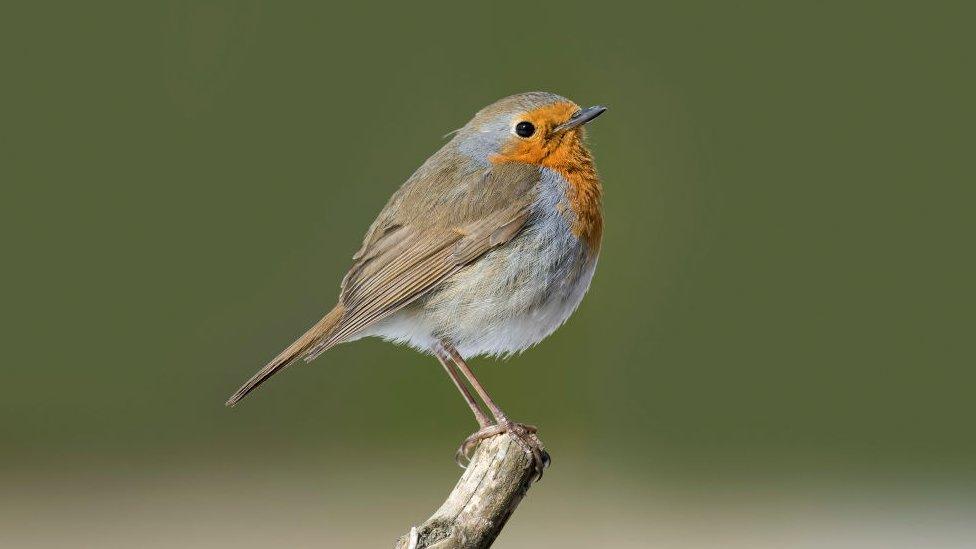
(492, 126)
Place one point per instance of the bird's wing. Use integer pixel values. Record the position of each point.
(408, 252)
(442, 219)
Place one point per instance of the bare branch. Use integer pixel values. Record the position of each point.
(499, 475)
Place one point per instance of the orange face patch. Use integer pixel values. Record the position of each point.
(542, 144)
(566, 154)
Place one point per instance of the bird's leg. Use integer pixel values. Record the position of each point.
(445, 359)
(525, 435)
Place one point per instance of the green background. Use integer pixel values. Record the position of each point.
(782, 317)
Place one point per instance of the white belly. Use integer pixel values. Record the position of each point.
(512, 297)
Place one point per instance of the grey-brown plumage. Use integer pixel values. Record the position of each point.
(445, 216)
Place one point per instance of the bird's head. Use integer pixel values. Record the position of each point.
(534, 128)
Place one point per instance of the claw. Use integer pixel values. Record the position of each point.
(525, 437)
(532, 446)
(466, 450)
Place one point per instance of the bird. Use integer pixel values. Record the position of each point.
(485, 250)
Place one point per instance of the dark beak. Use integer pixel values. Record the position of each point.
(580, 117)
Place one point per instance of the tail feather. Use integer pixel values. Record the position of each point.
(316, 333)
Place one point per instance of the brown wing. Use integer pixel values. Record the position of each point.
(409, 251)
(441, 219)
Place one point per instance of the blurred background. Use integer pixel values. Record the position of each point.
(776, 350)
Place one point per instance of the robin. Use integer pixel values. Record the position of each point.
(485, 250)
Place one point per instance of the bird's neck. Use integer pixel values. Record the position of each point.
(584, 193)
(569, 157)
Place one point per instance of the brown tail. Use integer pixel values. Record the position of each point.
(316, 333)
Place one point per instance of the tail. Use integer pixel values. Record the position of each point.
(321, 330)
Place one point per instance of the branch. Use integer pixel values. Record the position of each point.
(477, 509)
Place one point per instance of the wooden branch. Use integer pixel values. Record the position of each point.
(499, 475)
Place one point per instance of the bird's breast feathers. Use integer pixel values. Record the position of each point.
(568, 157)
(516, 294)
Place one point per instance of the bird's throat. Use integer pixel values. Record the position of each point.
(585, 193)
(569, 157)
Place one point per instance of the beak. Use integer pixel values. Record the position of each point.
(580, 117)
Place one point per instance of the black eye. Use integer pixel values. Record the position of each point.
(524, 129)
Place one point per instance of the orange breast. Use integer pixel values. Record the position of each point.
(585, 192)
(567, 155)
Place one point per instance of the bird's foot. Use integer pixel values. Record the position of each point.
(524, 435)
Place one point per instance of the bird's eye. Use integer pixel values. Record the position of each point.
(524, 129)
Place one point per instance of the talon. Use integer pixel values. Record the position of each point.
(466, 450)
(525, 437)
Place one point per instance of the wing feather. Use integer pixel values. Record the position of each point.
(403, 260)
